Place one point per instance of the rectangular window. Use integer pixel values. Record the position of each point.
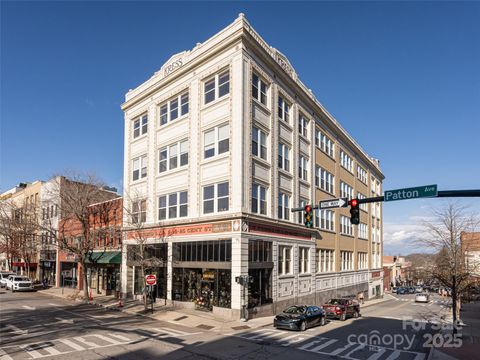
(216, 198)
(284, 260)
(302, 125)
(363, 207)
(259, 199)
(176, 204)
(363, 231)
(283, 157)
(217, 87)
(171, 156)
(304, 260)
(346, 161)
(324, 143)
(325, 260)
(259, 89)
(346, 190)
(302, 168)
(362, 174)
(283, 110)
(140, 126)
(346, 226)
(362, 260)
(324, 180)
(259, 143)
(283, 206)
(347, 260)
(139, 211)
(325, 219)
(139, 165)
(174, 108)
(216, 141)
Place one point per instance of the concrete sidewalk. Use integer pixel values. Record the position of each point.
(185, 317)
(470, 336)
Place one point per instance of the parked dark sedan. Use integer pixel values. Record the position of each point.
(402, 291)
(300, 317)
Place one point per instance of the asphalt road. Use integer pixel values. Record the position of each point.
(35, 325)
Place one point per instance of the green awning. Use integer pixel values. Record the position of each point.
(107, 257)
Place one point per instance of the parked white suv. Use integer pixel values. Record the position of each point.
(19, 283)
(3, 278)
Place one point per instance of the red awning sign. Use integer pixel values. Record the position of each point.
(151, 280)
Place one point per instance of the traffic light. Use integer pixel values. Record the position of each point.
(308, 216)
(354, 212)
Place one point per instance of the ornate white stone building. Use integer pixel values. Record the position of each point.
(220, 144)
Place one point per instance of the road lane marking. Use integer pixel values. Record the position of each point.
(28, 307)
(71, 344)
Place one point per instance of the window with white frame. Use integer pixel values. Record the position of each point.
(347, 260)
(284, 260)
(346, 227)
(259, 143)
(325, 219)
(283, 110)
(304, 260)
(363, 231)
(301, 214)
(283, 157)
(346, 190)
(173, 205)
(173, 156)
(362, 260)
(216, 141)
(325, 260)
(174, 108)
(346, 161)
(140, 126)
(259, 89)
(363, 206)
(259, 199)
(139, 165)
(303, 168)
(302, 125)
(362, 174)
(139, 211)
(324, 180)
(215, 198)
(216, 87)
(324, 143)
(283, 206)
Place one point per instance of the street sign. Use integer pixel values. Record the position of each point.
(411, 193)
(151, 280)
(334, 203)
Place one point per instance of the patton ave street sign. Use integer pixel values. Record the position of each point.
(411, 193)
(334, 203)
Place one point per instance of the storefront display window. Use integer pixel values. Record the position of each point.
(260, 291)
(219, 250)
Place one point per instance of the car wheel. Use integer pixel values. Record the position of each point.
(355, 314)
(343, 317)
(322, 321)
(303, 326)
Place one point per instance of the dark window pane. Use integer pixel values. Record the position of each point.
(208, 206)
(223, 146)
(222, 250)
(204, 251)
(228, 255)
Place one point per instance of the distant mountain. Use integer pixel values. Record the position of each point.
(420, 259)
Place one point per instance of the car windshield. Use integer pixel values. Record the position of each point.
(18, 279)
(295, 310)
(335, 302)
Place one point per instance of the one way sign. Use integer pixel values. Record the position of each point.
(334, 203)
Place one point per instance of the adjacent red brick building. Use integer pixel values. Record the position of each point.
(104, 242)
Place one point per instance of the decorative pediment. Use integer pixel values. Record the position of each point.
(174, 63)
(284, 63)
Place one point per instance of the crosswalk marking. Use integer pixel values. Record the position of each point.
(324, 345)
(168, 332)
(289, 340)
(107, 339)
(4, 355)
(394, 355)
(378, 354)
(71, 344)
(15, 329)
(86, 342)
(52, 350)
(33, 353)
(342, 349)
(28, 307)
(358, 347)
(419, 356)
(121, 337)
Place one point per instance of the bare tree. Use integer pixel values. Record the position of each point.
(443, 234)
(19, 227)
(144, 252)
(76, 232)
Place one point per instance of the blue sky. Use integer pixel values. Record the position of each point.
(403, 78)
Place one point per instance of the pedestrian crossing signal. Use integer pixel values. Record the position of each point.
(308, 216)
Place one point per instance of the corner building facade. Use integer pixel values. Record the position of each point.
(220, 144)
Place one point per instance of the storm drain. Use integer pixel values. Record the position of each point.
(242, 327)
(180, 318)
(205, 327)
